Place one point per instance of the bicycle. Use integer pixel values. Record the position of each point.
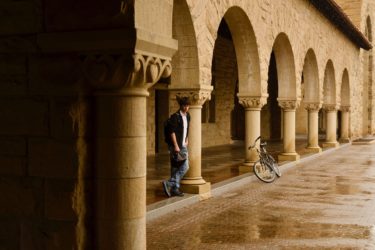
(266, 168)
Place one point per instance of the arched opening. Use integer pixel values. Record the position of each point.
(218, 113)
(311, 78)
(237, 118)
(281, 86)
(301, 114)
(329, 84)
(309, 92)
(329, 102)
(345, 89)
(161, 101)
(285, 68)
(367, 83)
(246, 49)
(344, 119)
(185, 73)
(307, 118)
(235, 69)
(271, 112)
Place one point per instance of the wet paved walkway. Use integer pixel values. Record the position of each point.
(327, 203)
(218, 164)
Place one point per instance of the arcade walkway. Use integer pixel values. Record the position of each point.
(326, 203)
(218, 163)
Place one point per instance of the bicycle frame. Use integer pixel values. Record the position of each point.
(264, 157)
(262, 152)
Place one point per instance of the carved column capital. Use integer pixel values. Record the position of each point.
(197, 97)
(345, 108)
(330, 107)
(252, 102)
(313, 107)
(288, 105)
(127, 74)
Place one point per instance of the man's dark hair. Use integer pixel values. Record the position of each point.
(183, 101)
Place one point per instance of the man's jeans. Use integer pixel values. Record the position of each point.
(178, 169)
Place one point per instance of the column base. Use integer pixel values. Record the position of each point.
(344, 140)
(246, 167)
(288, 157)
(193, 181)
(331, 144)
(313, 149)
(197, 189)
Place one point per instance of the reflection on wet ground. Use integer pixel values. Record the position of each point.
(218, 163)
(323, 204)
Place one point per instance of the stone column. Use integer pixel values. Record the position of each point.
(120, 149)
(193, 181)
(253, 106)
(313, 127)
(344, 137)
(331, 114)
(289, 130)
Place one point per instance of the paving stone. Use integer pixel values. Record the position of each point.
(312, 206)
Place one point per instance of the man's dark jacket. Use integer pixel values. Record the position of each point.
(176, 125)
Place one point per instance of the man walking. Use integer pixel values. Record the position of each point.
(177, 139)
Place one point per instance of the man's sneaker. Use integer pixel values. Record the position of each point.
(177, 192)
(166, 188)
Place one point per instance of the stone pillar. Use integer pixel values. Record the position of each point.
(120, 149)
(313, 127)
(289, 130)
(193, 181)
(253, 106)
(331, 114)
(344, 137)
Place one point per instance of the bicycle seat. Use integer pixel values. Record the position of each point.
(263, 144)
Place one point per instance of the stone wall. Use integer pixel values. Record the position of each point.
(226, 75)
(352, 8)
(269, 19)
(301, 117)
(46, 135)
(47, 117)
(43, 150)
(362, 14)
(367, 18)
(301, 121)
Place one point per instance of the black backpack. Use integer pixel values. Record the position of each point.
(167, 133)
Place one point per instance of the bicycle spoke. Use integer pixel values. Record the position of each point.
(263, 172)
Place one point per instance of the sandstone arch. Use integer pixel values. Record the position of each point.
(310, 91)
(246, 51)
(285, 68)
(329, 84)
(345, 89)
(311, 78)
(185, 63)
(344, 122)
(330, 105)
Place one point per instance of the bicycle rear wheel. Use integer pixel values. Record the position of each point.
(264, 172)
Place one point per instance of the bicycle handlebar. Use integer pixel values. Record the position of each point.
(252, 146)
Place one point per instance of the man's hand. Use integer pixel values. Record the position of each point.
(176, 148)
(174, 141)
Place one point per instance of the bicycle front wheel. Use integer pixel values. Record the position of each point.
(264, 172)
(274, 166)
